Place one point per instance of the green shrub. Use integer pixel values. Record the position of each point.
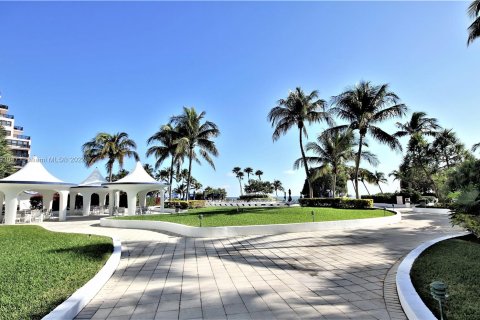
(342, 203)
(192, 204)
(250, 197)
(382, 198)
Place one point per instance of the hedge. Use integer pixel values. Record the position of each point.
(192, 204)
(342, 203)
(391, 198)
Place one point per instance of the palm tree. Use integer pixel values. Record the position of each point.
(240, 176)
(277, 185)
(475, 147)
(364, 106)
(193, 134)
(196, 187)
(298, 110)
(248, 171)
(165, 147)
(379, 177)
(474, 28)
(236, 171)
(418, 124)
(148, 168)
(163, 175)
(112, 147)
(366, 175)
(259, 174)
(444, 141)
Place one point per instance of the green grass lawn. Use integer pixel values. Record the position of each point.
(225, 216)
(457, 263)
(39, 269)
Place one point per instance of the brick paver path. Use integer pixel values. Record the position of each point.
(317, 275)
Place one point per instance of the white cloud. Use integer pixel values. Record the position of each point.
(289, 172)
(231, 174)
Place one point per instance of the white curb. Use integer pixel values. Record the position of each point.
(232, 231)
(412, 304)
(79, 299)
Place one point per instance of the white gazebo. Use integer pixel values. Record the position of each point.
(91, 185)
(33, 177)
(138, 182)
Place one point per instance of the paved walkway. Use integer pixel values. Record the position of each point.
(317, 275)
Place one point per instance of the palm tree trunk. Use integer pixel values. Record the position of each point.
(365, 187)
(240, 182)
(170, 180)
(110, 173)
(380, 188)
(334, 184)
(190, 155)
(357, 166)
(310, 189)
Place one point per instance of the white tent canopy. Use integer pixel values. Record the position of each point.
(92, 184)
(136, 182)
(34, 177)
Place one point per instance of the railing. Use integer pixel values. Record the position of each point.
(8, 116)
(18, 128)
(21, 136)
(2, 106)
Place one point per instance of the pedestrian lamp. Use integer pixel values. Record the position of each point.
(438, 290)
(200, 218)
(313, 216)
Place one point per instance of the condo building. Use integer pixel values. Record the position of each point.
(16, 140)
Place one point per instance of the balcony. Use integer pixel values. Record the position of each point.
(8, 116)
(4, 107)
(21, 136)
(18, 144)
(18, 128)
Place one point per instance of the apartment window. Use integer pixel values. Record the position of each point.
(6, 123)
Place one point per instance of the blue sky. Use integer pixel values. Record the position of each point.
(70, 70)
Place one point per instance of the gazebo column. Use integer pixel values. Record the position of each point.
(47, 200)
(142, 199)
(87, 200)
(11, 202)
(162, 201)
(132, 202)
(103, 199)
(62, 208)
(111, 201)
(73, 195)
(117, 198)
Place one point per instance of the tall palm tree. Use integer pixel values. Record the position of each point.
(298, 110)
(444, 141)
(364, 106)
(332, 150)
(475, 147)
(148, 168)
(240, 176)
(277, 185)
(259, 174)
(474, 28)
(248, 171)
(379, 177)
(163, 175)
(195, 134)
(114, 148)
(164, 146)
(418, 124)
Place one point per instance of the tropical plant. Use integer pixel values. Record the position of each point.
(418, 124)
(448, 148)
(364, 106)
(379, 177)
(163, 175)
(164, 146)
(119, 175)
(298, 110)
(366, 175)
(240, 176)
(248, 171)
(475, 147)
(259, 174)
(332, 150)
(148, 168)
(114, 148)
(6, 158)
(257, 186)
(474, 28)
(277, 185)
(195, 134)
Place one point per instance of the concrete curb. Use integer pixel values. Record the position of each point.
(412, 304)
(232, 231)
(79, 299)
